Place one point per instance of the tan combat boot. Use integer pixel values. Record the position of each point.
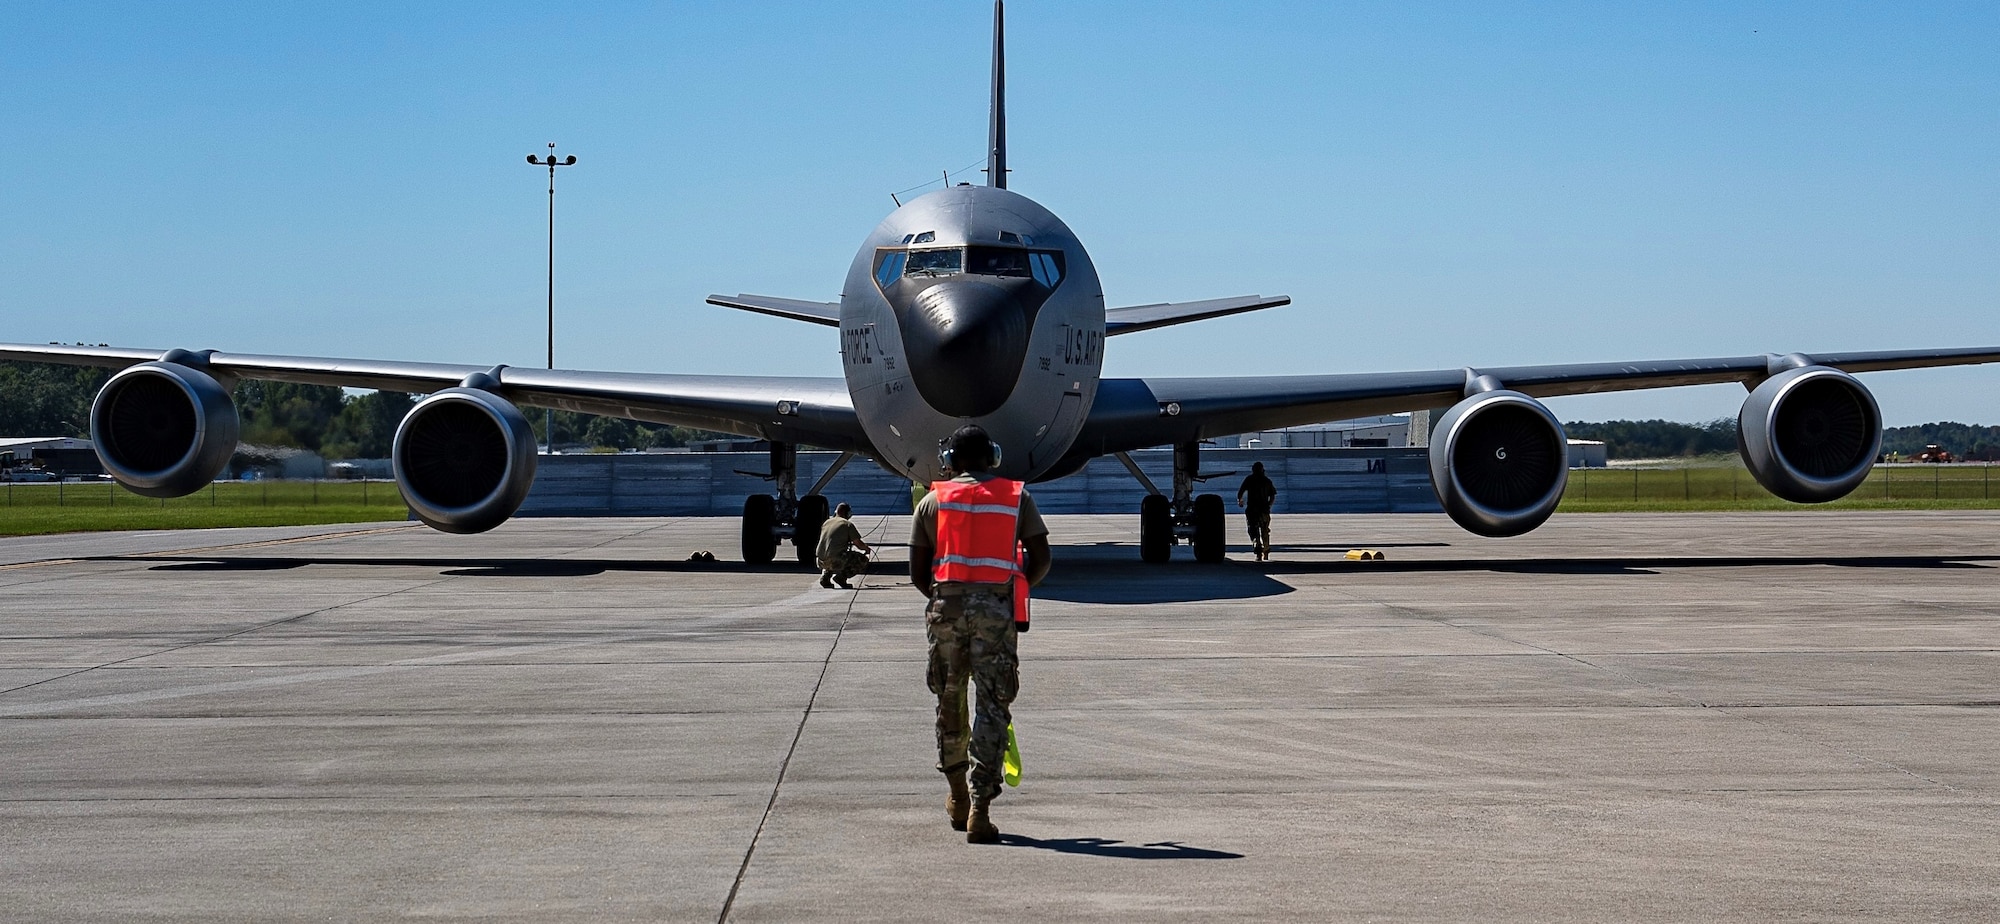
(979, 828)
(960, 801)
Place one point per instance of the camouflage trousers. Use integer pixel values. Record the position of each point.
(844, 566)
(1260, 529)
(972, 638)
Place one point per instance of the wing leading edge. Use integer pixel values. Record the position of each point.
(812, 411)
(1137, 413)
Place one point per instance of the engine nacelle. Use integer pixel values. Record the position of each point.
(1499, 461)
(464, 460)
(163, 429)
(1810, 434)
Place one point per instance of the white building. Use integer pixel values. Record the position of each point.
(1587, 454)
(1388, 431)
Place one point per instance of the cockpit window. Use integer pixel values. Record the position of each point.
(889, 267)
(1047, 267)
(895, 263)
(996, 261)
(933, 263)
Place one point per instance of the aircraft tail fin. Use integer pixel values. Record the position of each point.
(996, 133)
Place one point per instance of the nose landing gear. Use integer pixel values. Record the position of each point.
(1186, 517)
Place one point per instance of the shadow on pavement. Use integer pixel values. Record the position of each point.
(1105, 847)
(1357, 544)
(259, 564)
(1078, 579)
(1097, 580)
(1084, 574)
(462, 567)
(1624, 565)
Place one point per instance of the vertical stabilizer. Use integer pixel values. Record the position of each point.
(996, 132)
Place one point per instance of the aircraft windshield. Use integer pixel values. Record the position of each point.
(1043, 266)
(997, 261)
(933, 263)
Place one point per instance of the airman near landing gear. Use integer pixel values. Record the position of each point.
(1255, 498)
(842, 553)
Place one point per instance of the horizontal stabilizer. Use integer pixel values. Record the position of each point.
(1146, 317)
(827, 313)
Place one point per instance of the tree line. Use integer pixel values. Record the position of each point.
(38, 399)
(1657, 439)
(1666, 439)
(1967, 441)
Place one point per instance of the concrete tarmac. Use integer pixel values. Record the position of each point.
(1708, 717)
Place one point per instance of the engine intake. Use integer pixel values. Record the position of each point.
(1499, 461)
(464, 460)
(163, 429)
(1810, 434)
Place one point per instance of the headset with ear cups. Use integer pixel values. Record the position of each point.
(944, 454)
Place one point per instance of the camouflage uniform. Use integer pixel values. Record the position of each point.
(1256, 496)
(849, 564)
(972, 637)
(837, 556)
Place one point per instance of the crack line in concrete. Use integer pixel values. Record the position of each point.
(743, 870)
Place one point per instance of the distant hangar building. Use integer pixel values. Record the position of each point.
(1360, 433)
(60, 455)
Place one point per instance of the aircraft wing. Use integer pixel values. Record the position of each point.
(827, 313)
(1138, 413)
(812, 411)
(1135, 318)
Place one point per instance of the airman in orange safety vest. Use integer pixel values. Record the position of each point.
(976, 544)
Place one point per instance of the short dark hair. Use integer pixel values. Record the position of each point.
(1256, 466)
(971, 449)
(841, 509)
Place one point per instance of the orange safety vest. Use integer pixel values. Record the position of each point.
(975, 531)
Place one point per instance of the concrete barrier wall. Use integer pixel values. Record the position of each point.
(707, 483)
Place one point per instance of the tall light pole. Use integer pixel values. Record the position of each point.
(549, 416)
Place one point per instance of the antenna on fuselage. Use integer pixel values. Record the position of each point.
(996, 132)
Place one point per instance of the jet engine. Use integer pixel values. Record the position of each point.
(464, 459)
(163, 429)
(1810, 434)
(1499, 461)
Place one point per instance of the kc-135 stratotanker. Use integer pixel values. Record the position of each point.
(974, 304)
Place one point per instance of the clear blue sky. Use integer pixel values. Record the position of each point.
(1435, 185)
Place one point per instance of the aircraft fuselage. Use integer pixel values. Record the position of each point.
(972, 304)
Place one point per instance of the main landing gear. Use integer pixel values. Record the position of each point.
(769, 520)
(1185, 517)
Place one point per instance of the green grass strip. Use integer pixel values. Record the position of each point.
(32, 509)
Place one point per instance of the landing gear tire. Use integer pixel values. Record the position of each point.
(1156, 529)
(1209, 545)
(760, 542)
(812, 515)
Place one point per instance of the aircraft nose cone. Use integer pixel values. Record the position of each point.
(966, 340)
